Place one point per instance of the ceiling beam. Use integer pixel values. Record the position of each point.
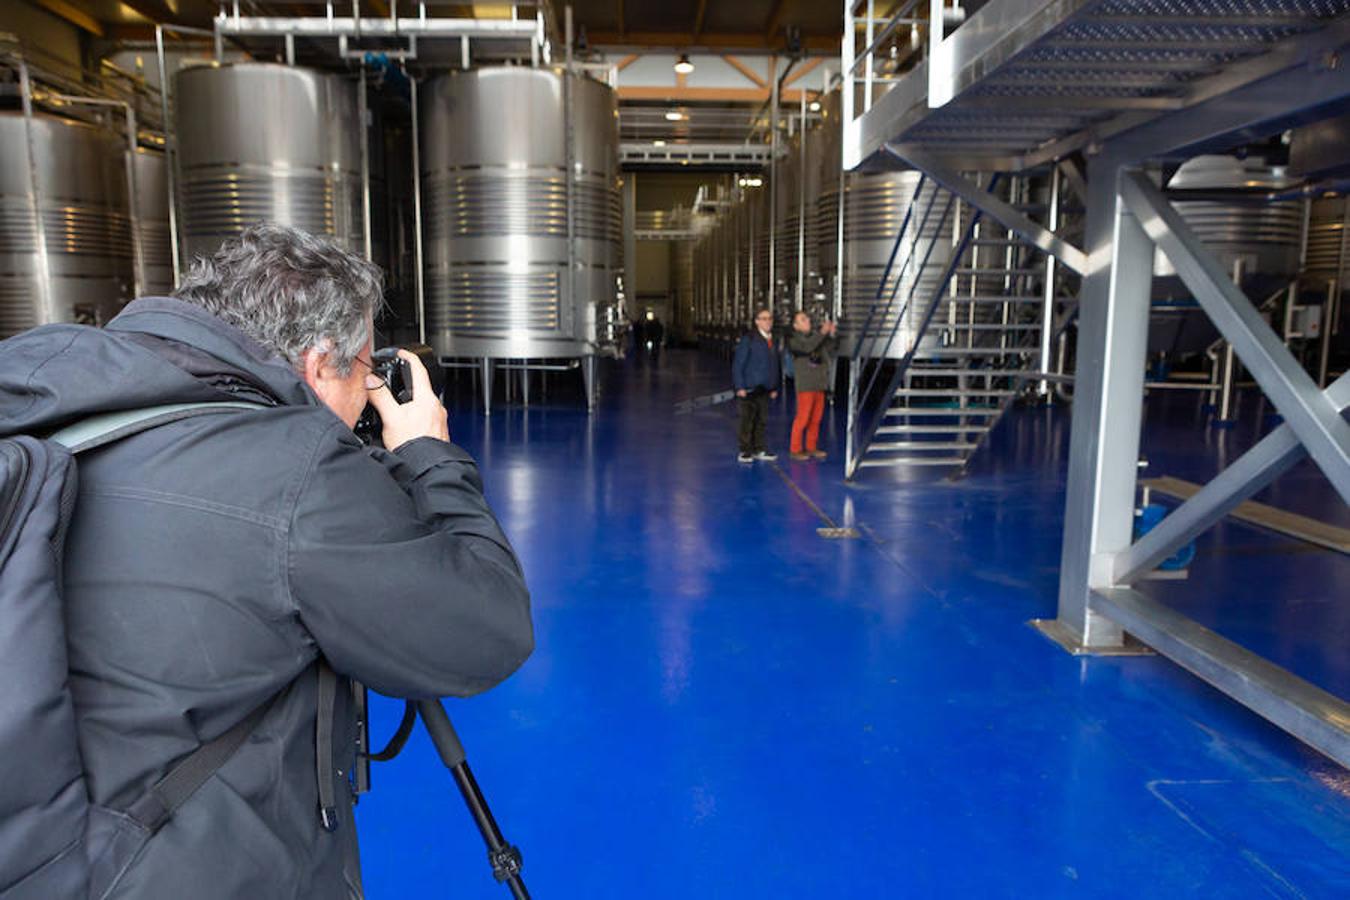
(156, 11)
(698, 18)
(775, 19)
(75, 16)
(821, 44)
(124, 33)
(708, 95)
(627, 61)
(745, 70)
(804, 69)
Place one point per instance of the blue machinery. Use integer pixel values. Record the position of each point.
(1127, 85)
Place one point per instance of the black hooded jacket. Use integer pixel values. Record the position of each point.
(211, 561)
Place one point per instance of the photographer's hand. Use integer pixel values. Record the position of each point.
(422, 416)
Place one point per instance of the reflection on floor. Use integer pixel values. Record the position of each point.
(725, 704)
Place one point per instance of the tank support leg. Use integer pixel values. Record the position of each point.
(485, 370)
(588, 376)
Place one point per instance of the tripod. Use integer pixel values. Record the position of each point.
(504, 858)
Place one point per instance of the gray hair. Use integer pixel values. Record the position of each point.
(291, 291)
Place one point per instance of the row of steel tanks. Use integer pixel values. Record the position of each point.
(521, 260)
(731, 260)
(1256, 238)
(72, 232)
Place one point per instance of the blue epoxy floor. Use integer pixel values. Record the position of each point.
(724, 704)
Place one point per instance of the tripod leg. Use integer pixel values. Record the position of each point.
(505, 859)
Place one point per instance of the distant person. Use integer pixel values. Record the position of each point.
(656, 334)
(651, 335)
(811, 354)
(755, 373)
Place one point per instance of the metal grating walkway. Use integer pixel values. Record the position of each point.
(1032, 80)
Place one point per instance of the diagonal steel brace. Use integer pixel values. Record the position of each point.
(1274, 455)
(1312, 416)
(1037, 235)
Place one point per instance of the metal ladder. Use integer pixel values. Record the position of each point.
(977, 348)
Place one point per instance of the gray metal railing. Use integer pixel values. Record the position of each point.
(861, 428)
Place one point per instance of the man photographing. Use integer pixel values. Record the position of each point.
(218, 565)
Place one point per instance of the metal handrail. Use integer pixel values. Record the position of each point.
(899, 17)
(909, 298)
(863, 437)
(890, 263)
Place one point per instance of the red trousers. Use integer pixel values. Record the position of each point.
(810, 407)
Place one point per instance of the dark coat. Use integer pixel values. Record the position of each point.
(212, 560)
(811, 360)
(755, 364)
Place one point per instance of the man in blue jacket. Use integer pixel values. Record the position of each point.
(756, 376)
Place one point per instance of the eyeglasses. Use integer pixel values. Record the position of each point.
(374, 380)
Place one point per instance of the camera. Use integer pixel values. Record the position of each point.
(396, 373)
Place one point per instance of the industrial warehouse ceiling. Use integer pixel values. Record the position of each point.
(134, 19)
(744, 26)
(739, 49)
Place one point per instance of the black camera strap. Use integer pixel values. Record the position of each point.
(159, 803)
(323, 745)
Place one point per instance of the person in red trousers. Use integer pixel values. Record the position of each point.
(811, 352)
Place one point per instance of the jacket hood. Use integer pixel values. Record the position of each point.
(158, 350)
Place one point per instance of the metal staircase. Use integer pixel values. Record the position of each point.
(976, 347)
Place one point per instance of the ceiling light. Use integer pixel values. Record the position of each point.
(815, 106)
(674, 116)
(658, 143)
(683, 65)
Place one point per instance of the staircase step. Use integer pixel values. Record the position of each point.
(970, 373)
(953, 392)
(986, 326)
(995, 270)
(933, 429)
(927, 446)
(912, 461)
(974, 351)
(896, 412)
(992, 298)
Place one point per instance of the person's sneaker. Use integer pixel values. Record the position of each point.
(766, 456)
(818, 454)
(745, 457)
(799, 457)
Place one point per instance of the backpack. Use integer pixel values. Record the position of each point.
(46, 847)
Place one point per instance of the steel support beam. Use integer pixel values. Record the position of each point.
(338, 26)
(1278, 452)
(1108, 406)
(1313, 417)
(1309, 713)
(981, 199)
(1048, 308)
